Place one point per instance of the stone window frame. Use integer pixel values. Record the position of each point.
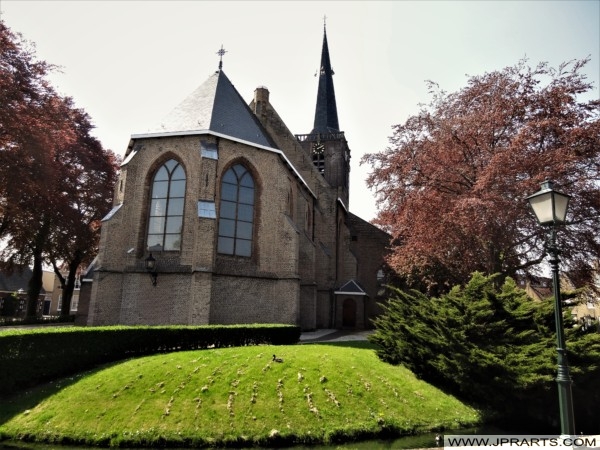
(170, 202)
(237, 222)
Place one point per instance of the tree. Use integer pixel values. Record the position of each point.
(55, 178)
(24, 93)
(85, 190)
(31, 124)
(487, 344)
(451, 187)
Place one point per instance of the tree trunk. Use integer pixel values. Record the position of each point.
(34, 287)
(69, 286)
(36, 283)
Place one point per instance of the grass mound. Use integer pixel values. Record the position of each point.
(235, 397)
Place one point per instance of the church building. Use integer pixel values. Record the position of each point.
(223, 216)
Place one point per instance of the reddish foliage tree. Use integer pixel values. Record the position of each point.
(24, 94)
(451, 187)
(54, 175)
(31, 123)
(88, 175)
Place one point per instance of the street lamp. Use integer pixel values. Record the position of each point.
(151, 269)
(550, 208)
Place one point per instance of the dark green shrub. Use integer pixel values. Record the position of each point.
(492, 347)
(30, 356)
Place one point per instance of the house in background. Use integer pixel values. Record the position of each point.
(584, 309)
(48, 282)
(13, 294)
(538, 288)
(57, 292)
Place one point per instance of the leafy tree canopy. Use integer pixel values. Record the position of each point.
(451, 186)
(56, 179)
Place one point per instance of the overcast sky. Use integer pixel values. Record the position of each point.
(128, 63)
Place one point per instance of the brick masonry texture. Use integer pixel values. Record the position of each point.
(305, 243)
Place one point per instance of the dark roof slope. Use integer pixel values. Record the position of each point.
(326, 118)
(19, 279)
(360, 227)
(216, 106)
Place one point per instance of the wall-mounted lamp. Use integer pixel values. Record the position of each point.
(151, 268)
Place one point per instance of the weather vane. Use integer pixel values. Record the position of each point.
(221, 53)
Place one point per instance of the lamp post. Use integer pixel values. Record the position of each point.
(550, 208)
(151, 268)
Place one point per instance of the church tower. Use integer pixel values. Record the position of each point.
(326, 144)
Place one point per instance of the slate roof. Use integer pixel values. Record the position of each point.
(360, 227)
(326, 118)
(19, 279)
(216, 106)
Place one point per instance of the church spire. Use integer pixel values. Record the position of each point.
(326, 144)
(326, 119)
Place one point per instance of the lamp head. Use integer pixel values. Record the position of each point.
(548, 205)
(151, 268)
(150, 263)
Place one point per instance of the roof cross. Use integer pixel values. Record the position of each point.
(221, 53)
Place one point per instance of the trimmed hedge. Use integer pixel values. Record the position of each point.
(28, 357)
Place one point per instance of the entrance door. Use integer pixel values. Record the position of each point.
(349, 313)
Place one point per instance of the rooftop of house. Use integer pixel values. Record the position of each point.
(18, 279)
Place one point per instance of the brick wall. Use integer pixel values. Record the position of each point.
(189, 286)
(303, 246)
(254, 300)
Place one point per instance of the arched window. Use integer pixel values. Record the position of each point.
(166, 206)
(236, 214)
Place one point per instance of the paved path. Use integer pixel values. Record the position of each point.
(330, 335)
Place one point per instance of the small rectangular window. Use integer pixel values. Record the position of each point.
(209, 150)
(207, 209)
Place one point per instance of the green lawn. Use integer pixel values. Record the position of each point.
(320, 393)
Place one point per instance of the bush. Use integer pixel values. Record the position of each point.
(9, 306)
(30, 356)
(492, 347)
